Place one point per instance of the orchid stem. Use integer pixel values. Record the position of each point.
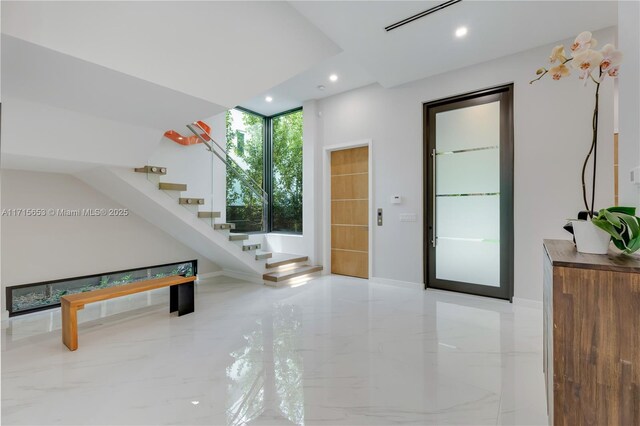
(592, 150)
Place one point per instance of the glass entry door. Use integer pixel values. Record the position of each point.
(469, 193)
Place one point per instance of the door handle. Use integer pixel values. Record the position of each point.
(433, 195)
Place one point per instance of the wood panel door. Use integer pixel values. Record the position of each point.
(350, 212)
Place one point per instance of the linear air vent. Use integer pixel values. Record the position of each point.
(421, 14)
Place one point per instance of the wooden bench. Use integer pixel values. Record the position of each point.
(181, 300)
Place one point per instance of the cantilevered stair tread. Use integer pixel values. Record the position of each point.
(282, 259)
(156, 170)
(191, 201)
(278, 276)
(223, 226)
(261, 255)
(238, 237)
(250, 247)
(166, 186)
(205, 215)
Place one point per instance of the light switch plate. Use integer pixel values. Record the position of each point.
(407, 217)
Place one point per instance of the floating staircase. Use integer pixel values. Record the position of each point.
(281, 267)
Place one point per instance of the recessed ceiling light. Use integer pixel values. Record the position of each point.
(321, 87)
(461, 32)
(268, 99)
(333, 77)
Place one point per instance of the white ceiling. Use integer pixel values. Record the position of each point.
(428, 45)
(219, 51)
(292, 93)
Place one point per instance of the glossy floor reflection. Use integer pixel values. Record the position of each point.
(333, 351)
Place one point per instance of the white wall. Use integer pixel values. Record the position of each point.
(629, 100)
(552, 136)
(44, 248)
(33, 130)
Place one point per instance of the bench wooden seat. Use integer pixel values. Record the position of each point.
(181, 300)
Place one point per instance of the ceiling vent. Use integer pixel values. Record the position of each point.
(421, 14)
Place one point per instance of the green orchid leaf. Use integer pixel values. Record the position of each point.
(633, 226)
(633, 246)
(612, 218)
(607, 227)
(622, 209)
(620, 245)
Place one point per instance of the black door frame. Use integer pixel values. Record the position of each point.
(503, 93)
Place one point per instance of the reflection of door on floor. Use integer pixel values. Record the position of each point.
(350, 212)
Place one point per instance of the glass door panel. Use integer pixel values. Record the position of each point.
(469, 145)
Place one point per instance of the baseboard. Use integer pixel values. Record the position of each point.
(527, 303)
(209, 275)
(252, 278)
(397, 283)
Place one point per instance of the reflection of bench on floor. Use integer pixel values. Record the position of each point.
(181, 300)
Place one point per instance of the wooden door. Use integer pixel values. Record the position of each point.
(350, 212)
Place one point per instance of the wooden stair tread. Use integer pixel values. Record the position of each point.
(224, 226)
(157, 170)
(238, 237)
(281, 259)
(261, 255)
(167, 186)
(209, 214)
(191, 201)
(278, 276)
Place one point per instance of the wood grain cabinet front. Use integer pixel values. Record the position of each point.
(591, 336)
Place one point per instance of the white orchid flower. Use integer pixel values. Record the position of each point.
(584, 41)
(586, 61)
(557, 54)
(610, 57)
(613, 71)
(559, 71)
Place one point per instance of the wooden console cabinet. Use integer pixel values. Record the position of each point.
(591, 336)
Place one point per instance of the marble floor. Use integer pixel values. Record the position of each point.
(334, 350)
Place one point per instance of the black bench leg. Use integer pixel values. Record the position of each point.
(181, 298)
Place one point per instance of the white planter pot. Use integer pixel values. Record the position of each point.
(590, 238)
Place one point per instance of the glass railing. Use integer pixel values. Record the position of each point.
(247, 202)
(218, 188)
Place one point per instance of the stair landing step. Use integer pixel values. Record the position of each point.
(282, 259)
(165, 186)
(156, 170)
(279, 276)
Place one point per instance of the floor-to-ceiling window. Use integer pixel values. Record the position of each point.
(267, 164)
(245, 174)
(286, 141)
